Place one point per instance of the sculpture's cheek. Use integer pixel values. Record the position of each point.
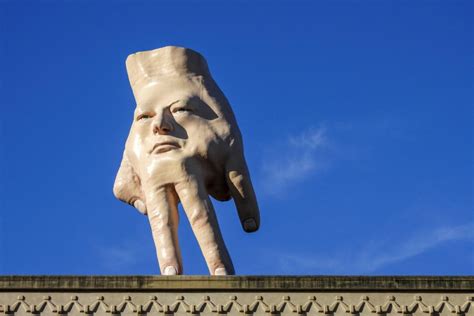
(137, 146)
(207, 139)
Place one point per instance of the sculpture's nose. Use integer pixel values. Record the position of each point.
(162, 124)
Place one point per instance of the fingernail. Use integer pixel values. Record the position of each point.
(140, 206)
(170, 270)
(220, 271)
(250, 225)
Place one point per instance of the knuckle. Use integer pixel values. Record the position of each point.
(159, 220)
(198, 218)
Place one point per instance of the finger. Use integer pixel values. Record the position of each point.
(241, 189)
(202, 218)
(163, 216)
(127, 186)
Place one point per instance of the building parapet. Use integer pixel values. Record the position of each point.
(236, 295)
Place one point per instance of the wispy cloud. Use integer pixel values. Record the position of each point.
(123, 257)
(377, 255)
(119, 258)
(294, 160)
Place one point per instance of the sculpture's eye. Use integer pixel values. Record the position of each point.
(181, 110)
(144, 116)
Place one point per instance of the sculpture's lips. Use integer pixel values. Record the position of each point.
(162, 147)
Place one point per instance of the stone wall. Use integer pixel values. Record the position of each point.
(236, 295)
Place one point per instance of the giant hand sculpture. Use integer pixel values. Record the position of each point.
(184, 144)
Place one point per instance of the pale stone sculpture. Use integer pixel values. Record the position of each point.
(184, 144)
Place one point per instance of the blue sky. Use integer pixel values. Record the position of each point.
(357, 118)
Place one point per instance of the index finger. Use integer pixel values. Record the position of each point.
(163, 216)
(202, 218)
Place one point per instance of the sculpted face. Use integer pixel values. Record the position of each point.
(184, 144)
(173, 125)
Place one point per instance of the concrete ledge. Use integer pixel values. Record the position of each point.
(236, 295)
(237, 283)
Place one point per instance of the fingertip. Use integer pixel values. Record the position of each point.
(140, 206)
(221, 271)
(170, 270)
(250, 225)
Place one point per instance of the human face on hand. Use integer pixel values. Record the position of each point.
(172, 123)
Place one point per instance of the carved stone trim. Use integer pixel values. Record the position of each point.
(235, 305)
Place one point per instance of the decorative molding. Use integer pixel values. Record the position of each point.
(234, 305)
(235, 295)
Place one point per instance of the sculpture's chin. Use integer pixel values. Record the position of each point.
(162, 168)
(169, 165)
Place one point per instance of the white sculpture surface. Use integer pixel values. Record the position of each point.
(184, 145)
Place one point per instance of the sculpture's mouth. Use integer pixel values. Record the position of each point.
(163, 147)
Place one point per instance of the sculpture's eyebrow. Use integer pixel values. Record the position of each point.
(173, 103)
(144, 108)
